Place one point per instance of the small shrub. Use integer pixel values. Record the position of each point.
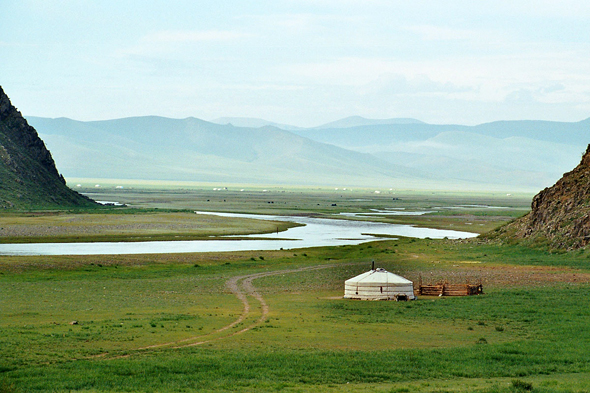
(499, 328)
(482, 340)
(399, 390)
(521, 386)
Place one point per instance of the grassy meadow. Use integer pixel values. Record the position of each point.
(276, 320)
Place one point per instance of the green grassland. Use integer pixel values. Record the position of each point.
(137, 316)
(275, 320)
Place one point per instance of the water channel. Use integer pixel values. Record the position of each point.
(315, 232)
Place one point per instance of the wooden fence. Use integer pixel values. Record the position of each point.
(446, 289)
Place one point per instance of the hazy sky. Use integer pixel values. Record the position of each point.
(298, 62)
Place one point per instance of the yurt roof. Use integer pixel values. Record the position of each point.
(379, 275)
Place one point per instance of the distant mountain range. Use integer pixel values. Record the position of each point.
(250, 122)
(352, 152)
(358, 121)
(522, 154)
(352, 121)
(158, 148)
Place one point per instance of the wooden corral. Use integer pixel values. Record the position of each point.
(447, 289)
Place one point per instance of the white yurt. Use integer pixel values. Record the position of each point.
(379, 284)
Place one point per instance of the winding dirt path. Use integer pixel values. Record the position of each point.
(243, 288)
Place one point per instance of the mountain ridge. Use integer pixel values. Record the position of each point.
(252, 122)
(356, 121)
(560, 214)
(159, 148)
(28, 175)
(497, 155)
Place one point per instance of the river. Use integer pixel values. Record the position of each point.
(315, 232)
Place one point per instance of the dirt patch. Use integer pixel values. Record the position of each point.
(504, 276)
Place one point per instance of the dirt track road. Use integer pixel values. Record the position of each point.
(243, 288)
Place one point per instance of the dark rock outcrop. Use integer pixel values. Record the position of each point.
(28, 175)
(560, 215)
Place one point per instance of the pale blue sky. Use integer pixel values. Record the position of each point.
(298, 62)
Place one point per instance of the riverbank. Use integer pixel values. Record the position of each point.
(305, 232)
(127, 226)
(167, 215)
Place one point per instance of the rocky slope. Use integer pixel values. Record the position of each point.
(28, 176)
(560, 215)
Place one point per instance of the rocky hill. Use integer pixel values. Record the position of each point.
(560, 215)
(28, 176)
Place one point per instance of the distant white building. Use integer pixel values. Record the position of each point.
(379, 284)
